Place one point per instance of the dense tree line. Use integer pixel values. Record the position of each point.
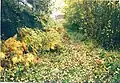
(99, 20)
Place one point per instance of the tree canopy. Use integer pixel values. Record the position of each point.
(15, 15)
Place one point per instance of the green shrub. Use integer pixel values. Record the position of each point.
(98, 20)
(39, 40)
(109, 71)
(76, 36)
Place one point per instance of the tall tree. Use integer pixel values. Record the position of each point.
(15, 15)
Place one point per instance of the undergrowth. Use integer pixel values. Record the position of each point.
(76, 62)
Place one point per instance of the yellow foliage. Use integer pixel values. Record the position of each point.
(15, 60)
(12, 43)
(29, 57)
(2, 55)
(27, 64)
(15, 46)
(16, 49)
(1, 68)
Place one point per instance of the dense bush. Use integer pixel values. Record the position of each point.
(39, 40)
(14, 53)
(98, 20)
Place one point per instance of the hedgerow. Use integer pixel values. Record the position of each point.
(98, 20)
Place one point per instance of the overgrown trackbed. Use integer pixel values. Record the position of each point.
(77, 63)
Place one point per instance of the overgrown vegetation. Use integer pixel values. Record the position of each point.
(14, 52)
(78, 62)
(39, 40)
(98, 20)
(76, 53)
